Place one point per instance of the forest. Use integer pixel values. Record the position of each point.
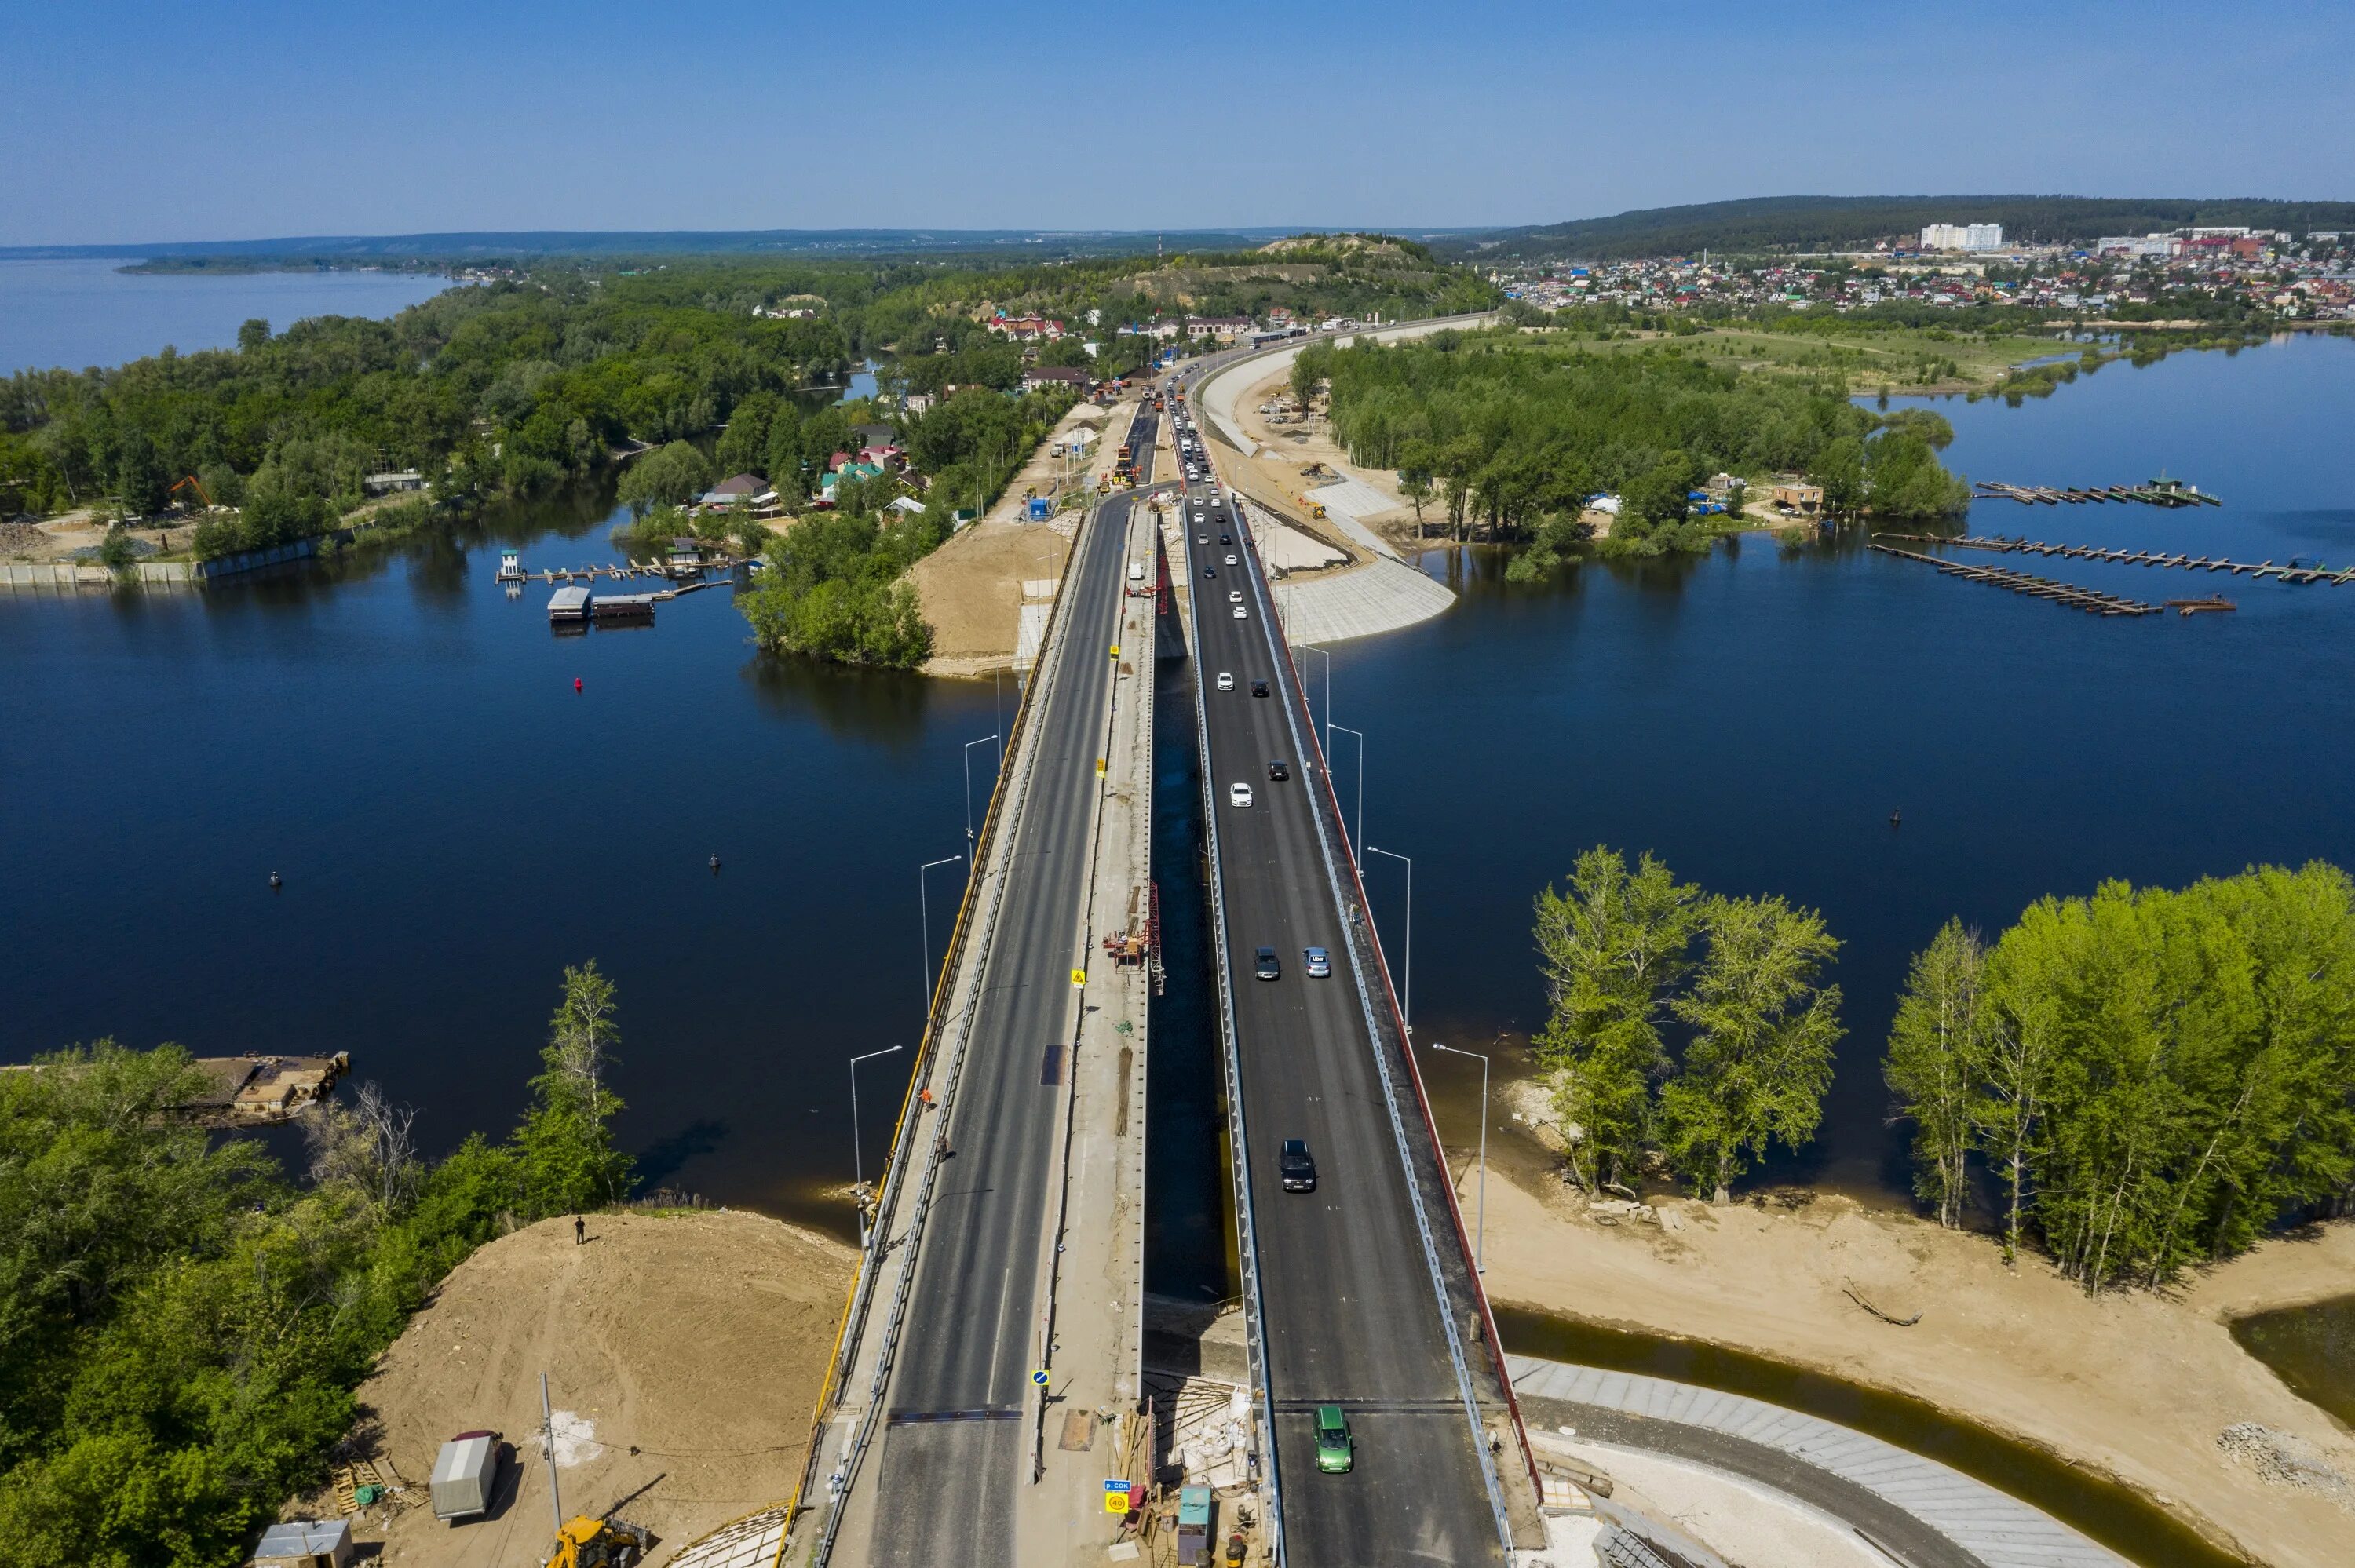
(1511, 434)
(2136, 1082)
(183, 1321)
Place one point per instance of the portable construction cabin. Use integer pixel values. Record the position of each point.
(305, 1543)
(465, 1473)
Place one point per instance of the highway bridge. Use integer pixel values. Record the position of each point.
(931, 1445)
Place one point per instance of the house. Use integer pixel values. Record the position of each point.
(1027, 329)
(739, 490)
(1226, 329)
(1038, 378)
(386, 483)
(888, 456)
(916, 402)
(1807, 500)
(906, 503)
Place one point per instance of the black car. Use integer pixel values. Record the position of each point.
(1266, 968)
(1225, 539)
(1279, 772)
(1259, 688)
(1209, 571)
(1296, 1166)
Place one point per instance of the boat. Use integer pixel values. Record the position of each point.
(511, 567)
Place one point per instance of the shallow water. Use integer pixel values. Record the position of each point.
(2311, 1349)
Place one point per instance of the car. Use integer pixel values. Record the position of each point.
(1209, 571)
(1296, 1166)
(1242, 614)
(1234, 595)
(1264, 966)
(1279, 771)
(1320, 962)
(1231, 557)
(1202, 538)
(1225, 539)
(1259, 688)
(1336, 1450)
(1226, 682)
(1238, 795)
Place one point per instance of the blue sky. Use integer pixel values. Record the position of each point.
(132, 122)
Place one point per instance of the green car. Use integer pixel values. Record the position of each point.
(1335, 1452)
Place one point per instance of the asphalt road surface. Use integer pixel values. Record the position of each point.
(1352, 1316)
(955, 1445)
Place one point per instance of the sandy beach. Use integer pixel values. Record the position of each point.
(2136, 1384)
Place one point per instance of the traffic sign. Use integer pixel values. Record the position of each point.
(1079, 977)
(1115, 1502)
(1040, 1377)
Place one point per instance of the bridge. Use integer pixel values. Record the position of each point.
(986, 1387)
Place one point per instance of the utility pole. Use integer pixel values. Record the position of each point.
(547, 1447)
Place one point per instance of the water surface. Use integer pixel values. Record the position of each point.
(2311, 1349)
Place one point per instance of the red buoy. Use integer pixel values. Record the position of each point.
(576, 683)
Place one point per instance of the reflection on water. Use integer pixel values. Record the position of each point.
(2311, 1349)
(2118, 1517)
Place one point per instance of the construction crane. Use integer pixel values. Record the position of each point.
(191, 482)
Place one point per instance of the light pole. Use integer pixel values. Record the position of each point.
(1357, 835)
(1480, 1226)
(1307, 648)
(1409, 966)
(924, 910)
(858, 1161)
(969, 745)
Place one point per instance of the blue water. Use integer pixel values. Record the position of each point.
(86, 312)
(454, 825)
(1754, 717)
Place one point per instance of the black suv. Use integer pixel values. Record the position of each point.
(1296, 1166)
(1259, 688)
(1279, 772)
(1266, 966)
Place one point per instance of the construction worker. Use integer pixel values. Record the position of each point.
(579, 1230)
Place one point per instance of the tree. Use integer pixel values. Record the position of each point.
(1613, 950)
(671, 475)
(1838, 469)
(252, 334)
(1763, 1032)
(140, 478)
(366, 1148)
(565, 1140)
(1938, 1049)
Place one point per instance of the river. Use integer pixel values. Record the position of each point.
(83, 311)
(403, 743)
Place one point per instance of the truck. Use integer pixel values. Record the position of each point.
(465, 1475)
(1125, 453)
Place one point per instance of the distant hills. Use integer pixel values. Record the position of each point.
(541, 243)
(1760, 223)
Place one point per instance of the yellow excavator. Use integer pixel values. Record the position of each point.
(588, 1542)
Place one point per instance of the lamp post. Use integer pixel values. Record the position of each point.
(924, 909)
(1307, 648)
(1357, 835)
(969, 745)
(858, 1159)
(1409, 966)
(1479, 1225)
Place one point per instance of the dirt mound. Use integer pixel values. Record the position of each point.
(683, 1353)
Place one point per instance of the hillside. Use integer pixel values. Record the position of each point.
(1827, 223)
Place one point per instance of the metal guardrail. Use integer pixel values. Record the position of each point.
(847, 1342)
(1246, 1232)
(1362, 931)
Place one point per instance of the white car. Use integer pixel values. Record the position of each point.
(1226, 681)
(1234, 595)
(1238, 795)
(1230, 560)
(1242, 614)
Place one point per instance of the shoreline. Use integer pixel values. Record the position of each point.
(2134, 1386)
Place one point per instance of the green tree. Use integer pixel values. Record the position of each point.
(1762, 1031)
(565, 1140)
(1612, 949)
(140, 478)
(671, 475)
(252, 334)
(1938, 1050)
(117, 551)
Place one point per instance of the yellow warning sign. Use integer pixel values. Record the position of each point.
(1116, 1501)
(1078, 977)
(1116, 649)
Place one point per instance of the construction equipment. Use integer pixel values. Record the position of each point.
(588, 1542)
(192, 482)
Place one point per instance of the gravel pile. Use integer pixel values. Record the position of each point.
(2286, 1459)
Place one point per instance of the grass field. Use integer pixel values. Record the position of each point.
(1904, 361)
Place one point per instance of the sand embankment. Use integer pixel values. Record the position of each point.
(683, 1354)
(2136, 1385)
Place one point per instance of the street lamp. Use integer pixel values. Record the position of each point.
(1305, 649)
(1409, 966)
(858, 1161)
(1357, 835)
(924, 909)
(969, 745)
(1480, 1226)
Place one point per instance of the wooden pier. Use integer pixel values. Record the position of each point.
(2157, 493)
(2292, 573)
(2070, 593)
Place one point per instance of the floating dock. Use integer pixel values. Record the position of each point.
(569, 607)
(2161, 492)
(2070, 593)
(2296, 571)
